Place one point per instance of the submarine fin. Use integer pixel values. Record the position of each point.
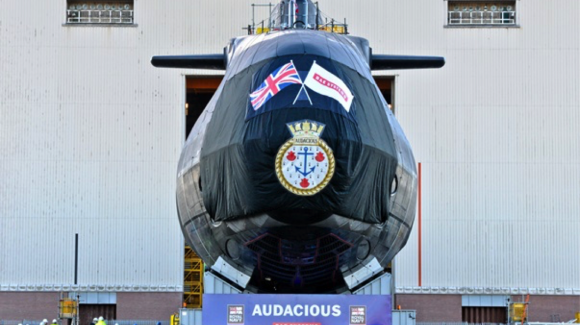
(393, 62)
(201, 61)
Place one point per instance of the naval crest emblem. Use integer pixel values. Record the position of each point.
(305, 163)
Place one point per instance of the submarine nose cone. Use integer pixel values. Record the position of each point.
(317, 142)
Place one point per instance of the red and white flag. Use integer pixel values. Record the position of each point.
(327, 84)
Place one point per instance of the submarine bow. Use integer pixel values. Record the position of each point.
(297, 177)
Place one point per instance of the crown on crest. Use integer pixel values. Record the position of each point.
(306, 129)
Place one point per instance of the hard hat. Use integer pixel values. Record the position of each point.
(45, 320)
(95, 319)
(101, 318)
(54, 320)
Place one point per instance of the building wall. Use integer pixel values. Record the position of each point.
(552, 308)
(447, 308)
(89, 141)
(494, 133)
(90, 135)
(158, 306)
(432, 308)
(33, 306)
(129, 305)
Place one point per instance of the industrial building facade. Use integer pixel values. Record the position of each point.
(90, 136)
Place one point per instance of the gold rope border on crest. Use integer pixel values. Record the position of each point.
(318, 187)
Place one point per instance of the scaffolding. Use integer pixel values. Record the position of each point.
(192, 279)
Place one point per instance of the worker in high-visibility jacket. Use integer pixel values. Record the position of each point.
(54, 322)
(101, 321)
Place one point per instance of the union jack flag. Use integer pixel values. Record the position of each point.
(283, 77)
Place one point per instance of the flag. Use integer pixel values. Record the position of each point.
(327, 84)
(283, 77)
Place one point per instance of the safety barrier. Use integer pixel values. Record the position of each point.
(21, 321)
(136, 322)
(456, 323)
(189, 316)
(404, 317)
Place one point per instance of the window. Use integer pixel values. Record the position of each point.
(481, 13)
(95, 304)
(82, 12)
(479, 315)
(477, 309)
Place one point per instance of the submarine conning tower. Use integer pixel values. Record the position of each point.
(295, 14)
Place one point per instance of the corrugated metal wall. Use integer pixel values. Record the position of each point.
(495, 133)
(90, 135)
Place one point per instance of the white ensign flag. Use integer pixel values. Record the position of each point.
(327, 84)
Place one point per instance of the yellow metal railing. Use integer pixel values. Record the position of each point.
(334, 29)
(338, 29)
(262, 30)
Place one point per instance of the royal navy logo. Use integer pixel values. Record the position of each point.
(358, 315)
(305, 163)
(236, 314)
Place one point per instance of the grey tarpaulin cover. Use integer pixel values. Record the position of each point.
(238, 164)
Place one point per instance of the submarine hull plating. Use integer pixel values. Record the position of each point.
(297, 177)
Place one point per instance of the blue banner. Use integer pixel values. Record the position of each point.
(284, 309)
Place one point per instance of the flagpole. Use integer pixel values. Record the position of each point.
(302, 87)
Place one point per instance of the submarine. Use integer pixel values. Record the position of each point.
(296, 177)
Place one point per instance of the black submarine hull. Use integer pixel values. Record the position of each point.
(303, 193)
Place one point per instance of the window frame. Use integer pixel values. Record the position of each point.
(514, 14)
(100, 15)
